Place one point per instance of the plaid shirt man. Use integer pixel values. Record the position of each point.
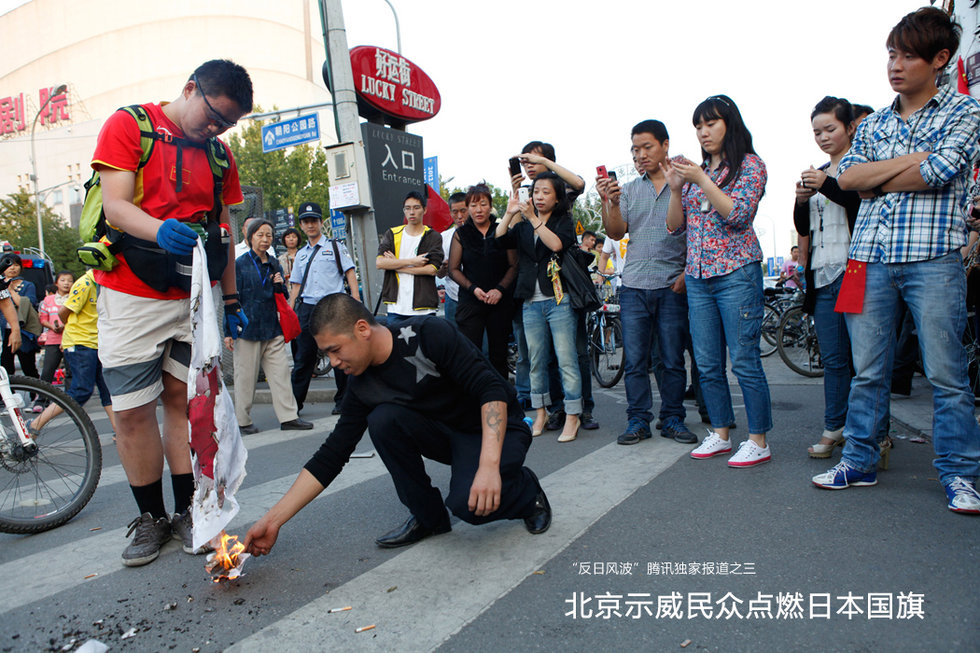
(906, 227)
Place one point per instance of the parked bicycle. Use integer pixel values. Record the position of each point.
(778, 301)
(605, 335)
(796, 341)
(46, 477)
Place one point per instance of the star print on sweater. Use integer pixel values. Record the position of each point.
(435, 371)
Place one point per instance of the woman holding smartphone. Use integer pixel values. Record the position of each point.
(717, 201)
(541, 231)
(824, 216)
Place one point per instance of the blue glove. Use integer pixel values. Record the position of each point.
(176, 237)
(235, 320)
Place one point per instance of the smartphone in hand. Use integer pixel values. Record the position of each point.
(522, 194)
(601, 171)
(515, 166)
(612, 175)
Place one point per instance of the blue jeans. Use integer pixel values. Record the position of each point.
(727, 310)
(835, 352)
(541, 319)
(935, 292)
(584, 360)
(450, 309)
(86, 375)
(522, 376)
(663, 312)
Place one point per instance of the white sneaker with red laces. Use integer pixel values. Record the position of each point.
(750, 454)
(712, 446)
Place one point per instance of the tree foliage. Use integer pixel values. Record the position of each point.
(18, 224)
(287, 177)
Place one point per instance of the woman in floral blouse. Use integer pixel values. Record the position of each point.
(717, 202)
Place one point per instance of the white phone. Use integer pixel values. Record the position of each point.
(522, 194)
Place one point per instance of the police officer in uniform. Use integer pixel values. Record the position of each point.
(318, 270)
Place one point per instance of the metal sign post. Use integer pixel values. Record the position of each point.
(365, 232)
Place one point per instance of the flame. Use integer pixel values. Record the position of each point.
(227, 552)
(227, 559)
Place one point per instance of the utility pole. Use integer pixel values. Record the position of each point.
(37, 197)
(363, 227)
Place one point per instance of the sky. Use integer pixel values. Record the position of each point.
(579, 74)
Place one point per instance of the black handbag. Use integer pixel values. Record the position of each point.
(577, 282)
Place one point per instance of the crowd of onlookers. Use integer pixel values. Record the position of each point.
(883, 227)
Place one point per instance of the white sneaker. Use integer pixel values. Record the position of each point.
(750, 454)
(712, 446)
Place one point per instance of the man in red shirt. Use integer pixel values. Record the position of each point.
(144, 305)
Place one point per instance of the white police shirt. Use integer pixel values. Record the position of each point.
(323, 279)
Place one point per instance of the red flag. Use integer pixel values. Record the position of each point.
(962, 84)
(437, 212)
(850, 299)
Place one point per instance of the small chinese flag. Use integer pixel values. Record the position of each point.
(850, 299)
(962, 82)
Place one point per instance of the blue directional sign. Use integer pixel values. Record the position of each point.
(430, 171)
(287, 133)
(338, 224)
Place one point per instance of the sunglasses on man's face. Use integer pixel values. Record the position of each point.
(213, 115)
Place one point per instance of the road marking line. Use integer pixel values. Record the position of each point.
(45, 573)
(482, 564)
(321, 427)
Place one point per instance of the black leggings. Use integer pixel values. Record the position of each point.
(28, 363)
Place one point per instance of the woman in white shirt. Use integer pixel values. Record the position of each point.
(824, 216)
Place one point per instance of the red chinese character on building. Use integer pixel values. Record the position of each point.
(12, 114)
(56, 109)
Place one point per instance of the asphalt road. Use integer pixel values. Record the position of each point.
(649, 550)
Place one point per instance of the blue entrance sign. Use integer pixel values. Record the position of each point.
(287, 133)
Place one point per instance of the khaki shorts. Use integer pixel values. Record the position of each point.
(139, 339)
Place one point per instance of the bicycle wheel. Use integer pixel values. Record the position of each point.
(512, 356)
(770, 324)
(322, 367)
(796, 340)
(44, 488)
(972, 347)
(606, 355)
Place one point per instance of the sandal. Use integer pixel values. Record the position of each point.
(885, 446)
(821, 450)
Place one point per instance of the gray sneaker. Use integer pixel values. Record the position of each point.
(151, 534)
(183, 531)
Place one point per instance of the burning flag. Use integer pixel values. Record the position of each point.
(227, 560)
(217, 452)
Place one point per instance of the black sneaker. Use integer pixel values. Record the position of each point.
(588, 422)
(556, 421)
(182, 527)
(150, 535)
(636, 431)
(675, 429)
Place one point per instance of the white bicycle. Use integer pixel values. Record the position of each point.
(46, 476)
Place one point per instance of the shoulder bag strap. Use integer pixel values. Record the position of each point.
(306, 273)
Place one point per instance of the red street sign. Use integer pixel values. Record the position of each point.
(392, 85)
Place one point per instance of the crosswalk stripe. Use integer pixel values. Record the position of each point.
(321, 427)
(60, 568)
(471, 559)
